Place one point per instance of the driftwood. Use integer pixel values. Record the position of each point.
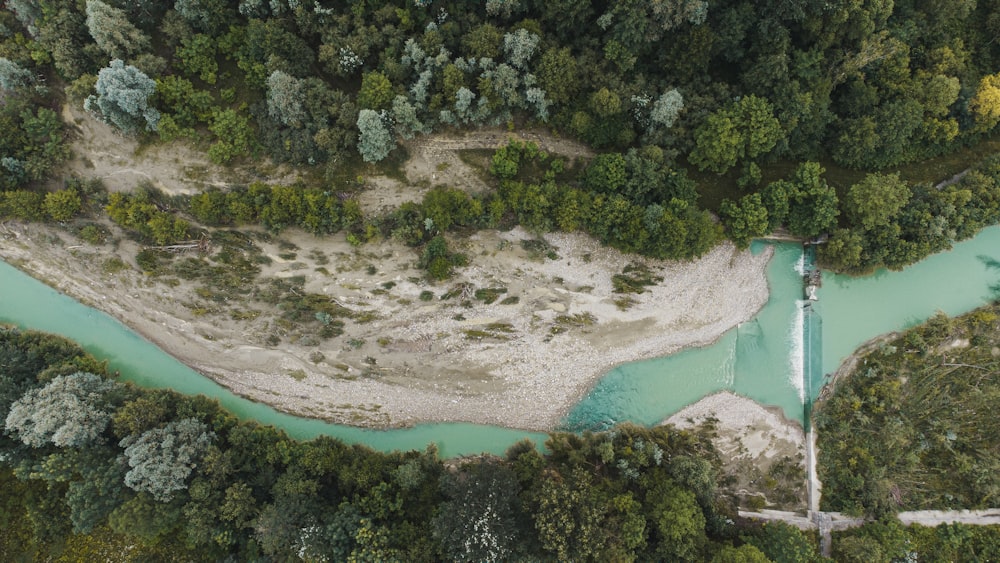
(964, 366)
(201, 245)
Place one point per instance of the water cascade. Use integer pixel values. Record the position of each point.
(761, 359)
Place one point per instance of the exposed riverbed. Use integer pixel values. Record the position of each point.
(758, 359)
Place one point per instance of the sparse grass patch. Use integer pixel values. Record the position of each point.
(362, 317)
(113, 265)
(426, 295)
(490, 295)
(287, 255)
(308, 340)
(319, 257)
(496, 331)
(512, 300)
(634, 279)
(579, 319)
(241, 315)
(151, 261)
(538, 249)
(297, 374)
(95, 234)
(463, 290)
(625, 303)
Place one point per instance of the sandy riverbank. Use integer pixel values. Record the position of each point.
(521, 362)
(427, 367)
(763, 453)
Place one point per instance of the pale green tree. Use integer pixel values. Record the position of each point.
(122, 98)
(113, 32)
(375, 141)
(69, 411)
(162, 459)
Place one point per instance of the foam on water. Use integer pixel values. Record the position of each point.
(796, 350)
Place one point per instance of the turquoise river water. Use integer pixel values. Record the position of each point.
(777, 358)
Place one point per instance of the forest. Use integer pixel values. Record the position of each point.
(912, 427)
(93, 468)
(800, 117)
(711, 119)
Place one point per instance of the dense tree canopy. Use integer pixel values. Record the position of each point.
(179, 477)
(666, 85)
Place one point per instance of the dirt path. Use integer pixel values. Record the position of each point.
(828, 522)
(435, 160)
(174, 168)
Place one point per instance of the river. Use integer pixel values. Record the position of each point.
(777, 358)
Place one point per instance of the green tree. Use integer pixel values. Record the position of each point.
(483, 41)
(235, 136)
(665, 110)
(519, 47)
(209, 16)
(781, 542)
(985, 105)
(376, 92)
(375, 141)
(558, 74)
(746, 129)
(678, 523)
(196, 57)
(285, 98)
(813, 205)
(71, 410)
(745, 221)
(161, 459)
(480, 521)
(569, 516)
(858, 549)
(606, 173)
(62, 205)
(844, 252)
(717, 144)
(122, 98)
(876, 200)
(22, 204)
(742, 554)
(113, 32)
(13, 76)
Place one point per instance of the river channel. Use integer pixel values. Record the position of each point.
(777, 358)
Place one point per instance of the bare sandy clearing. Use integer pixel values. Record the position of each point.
(762, 451)
(175, 168)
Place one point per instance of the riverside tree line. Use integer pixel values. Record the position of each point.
(95, 469)
(92, 466)
(670, 89)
